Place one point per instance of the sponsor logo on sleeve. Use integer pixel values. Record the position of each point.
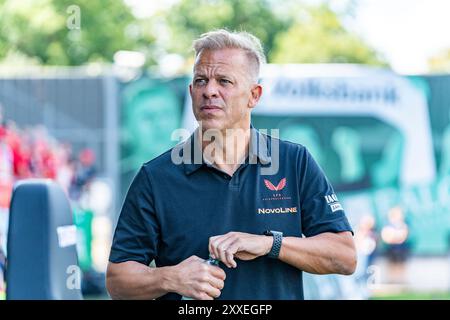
(333, 202)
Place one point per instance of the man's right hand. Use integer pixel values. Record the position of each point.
(198, 280)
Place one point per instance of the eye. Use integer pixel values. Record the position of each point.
(225, 81)
(200, 81)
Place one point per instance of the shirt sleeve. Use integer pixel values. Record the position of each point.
(321, 210)
(137, 231)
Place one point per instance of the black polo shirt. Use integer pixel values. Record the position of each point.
(172, 209)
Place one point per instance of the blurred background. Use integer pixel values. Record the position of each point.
(90, 90)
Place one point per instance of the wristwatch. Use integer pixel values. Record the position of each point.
(276, 246)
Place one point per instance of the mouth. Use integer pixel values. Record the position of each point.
(210, 108)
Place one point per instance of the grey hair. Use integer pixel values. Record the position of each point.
(224, 39)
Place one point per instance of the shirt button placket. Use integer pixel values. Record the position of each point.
(234, 182)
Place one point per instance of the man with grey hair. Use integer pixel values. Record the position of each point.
(248, 43)
(223, 206)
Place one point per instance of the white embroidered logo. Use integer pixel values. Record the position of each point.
(333, 202)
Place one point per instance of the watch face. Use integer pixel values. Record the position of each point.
(272, 233)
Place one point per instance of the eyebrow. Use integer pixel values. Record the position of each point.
(199, 73)
(219, 75)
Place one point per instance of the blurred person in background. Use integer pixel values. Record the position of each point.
(65, 168)
(33, 153)
(5, 167)
(6, 184)
(395, 236)
(147, 127)
(43, 160)
(2, 273)
(20, 143)
(85, 172)
(366, 239)
(6, 170)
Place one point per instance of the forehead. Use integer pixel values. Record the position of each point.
(221, 59)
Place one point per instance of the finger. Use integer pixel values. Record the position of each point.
(204, 296)
(210, 290)
(207, 278)
(233, 248)
(231, 256)
(221, 248)
(217, 272)
(194, 258)
(228, 248)
(212, 248)
(228, 257)
(216, 282)
(214, 242)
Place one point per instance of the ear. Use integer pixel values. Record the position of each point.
(256, 93)
(190, 89)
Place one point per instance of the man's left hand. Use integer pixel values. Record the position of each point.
(244, 246)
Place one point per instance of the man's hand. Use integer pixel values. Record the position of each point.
(197, 279)
(244, 246)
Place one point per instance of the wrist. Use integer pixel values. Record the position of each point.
(268, 243)
(277, 238)
(168, 279)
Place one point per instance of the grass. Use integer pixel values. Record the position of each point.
(414, 296)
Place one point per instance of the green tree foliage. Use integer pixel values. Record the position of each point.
(43, 30)
(318, 36)
(46, 30)
(188, 19)
(291, 32)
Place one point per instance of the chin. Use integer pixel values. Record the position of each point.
(208, 124)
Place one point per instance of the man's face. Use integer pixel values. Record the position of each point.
(222, 91)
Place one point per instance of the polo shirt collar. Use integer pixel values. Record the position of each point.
(196, 157)
(258, 149)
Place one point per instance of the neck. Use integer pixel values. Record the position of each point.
(226, 149)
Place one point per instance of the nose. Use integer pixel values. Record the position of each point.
(211, 90)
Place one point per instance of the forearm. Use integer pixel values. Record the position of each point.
(322, 254)
(133, 280)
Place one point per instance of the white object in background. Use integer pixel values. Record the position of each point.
(67, 236)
